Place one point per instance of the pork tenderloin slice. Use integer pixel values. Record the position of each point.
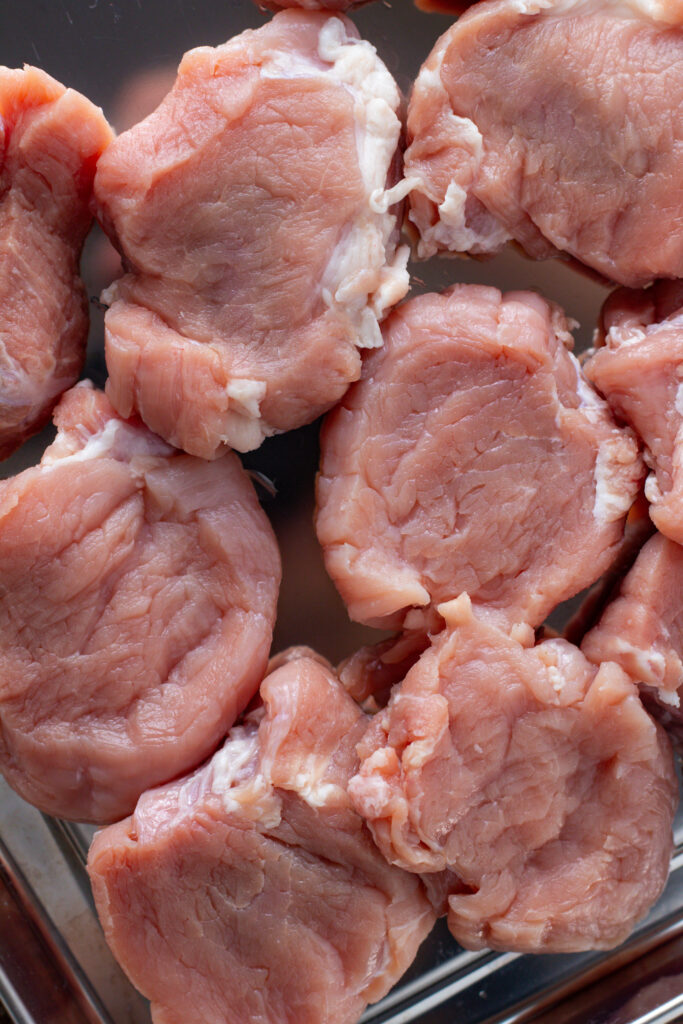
(252, 891)
(559, 124)
(50, 140)
(472, 456)
(537, 778)
(138, 589)
(254, 212)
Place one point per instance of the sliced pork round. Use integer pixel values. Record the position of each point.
(520, 128)
(137, 599)
(642, 629)
(537, 778)
(252, 891)
(50, 140)
(252, 213)
(639, 370)
(472, 456)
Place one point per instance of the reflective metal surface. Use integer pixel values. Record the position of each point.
(54, 963)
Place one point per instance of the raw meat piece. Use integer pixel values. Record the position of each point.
(642, 629)
(639, 370)
(252, 213)
(559, 124)
(252, 891)
(538, 779)
(472, 456)
(312, 5)
(50, 139)
(137, 599)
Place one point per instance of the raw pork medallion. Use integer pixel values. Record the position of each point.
(642, 629)
(50, 139)
(137, 599)
(252, 214)
(639, 370)
(252, 891)
(472, 456)
(520, 128)
(534, 776)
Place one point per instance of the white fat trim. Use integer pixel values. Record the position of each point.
(116, 439)
(365, 275)
(235, 778)
(618, 336)
(309, 786)
(678, 401)
(593, 407)
(612, 498)
(243, 433)
(654, 10)
(652, 489)
(672, 698)
(247, 395)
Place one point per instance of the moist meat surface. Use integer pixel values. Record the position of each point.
(252, 891)
(639, 370)
(557, 124)
(50, 139)
(137, 599)
(251, 213)
(642, 629)
(537, 778)
(472, 456)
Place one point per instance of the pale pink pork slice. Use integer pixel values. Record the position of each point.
(50, 139)
(312, 5)
(252, 891)
(253, 217)
(559, 124)
(537, 778)
(137, 599)
(472, 456)
(642, 629)
(639, 370)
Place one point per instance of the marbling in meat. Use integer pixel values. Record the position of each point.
(252, 891)
(472, 456)
(50, 139)
(137, 598)
(536, 777)
(559, 124)
(642, 629)
(253, 216)
(639, 370)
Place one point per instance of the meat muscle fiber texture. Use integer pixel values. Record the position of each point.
(252, 891)
(137, 599)
(537, 778)
(639, 370)
(252, 214)
(50, 139)
(642, 629)
(559, 124)
(472, 456)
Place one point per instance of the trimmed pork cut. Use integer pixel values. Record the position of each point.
(252, 891)
(472, 456)
(535, 777)
(639, 370)
(559, 124)
(50, 139)
(137, 598)
(642, 629)
(253, 216)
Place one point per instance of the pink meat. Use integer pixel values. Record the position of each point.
(642, 629)
(472, 456)
(639, 370)
(253, 219)
(251, 891)
(137, 599)
(536, 778)
(559, 124)
(50, 139)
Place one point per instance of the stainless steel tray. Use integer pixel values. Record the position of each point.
(55, 967)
